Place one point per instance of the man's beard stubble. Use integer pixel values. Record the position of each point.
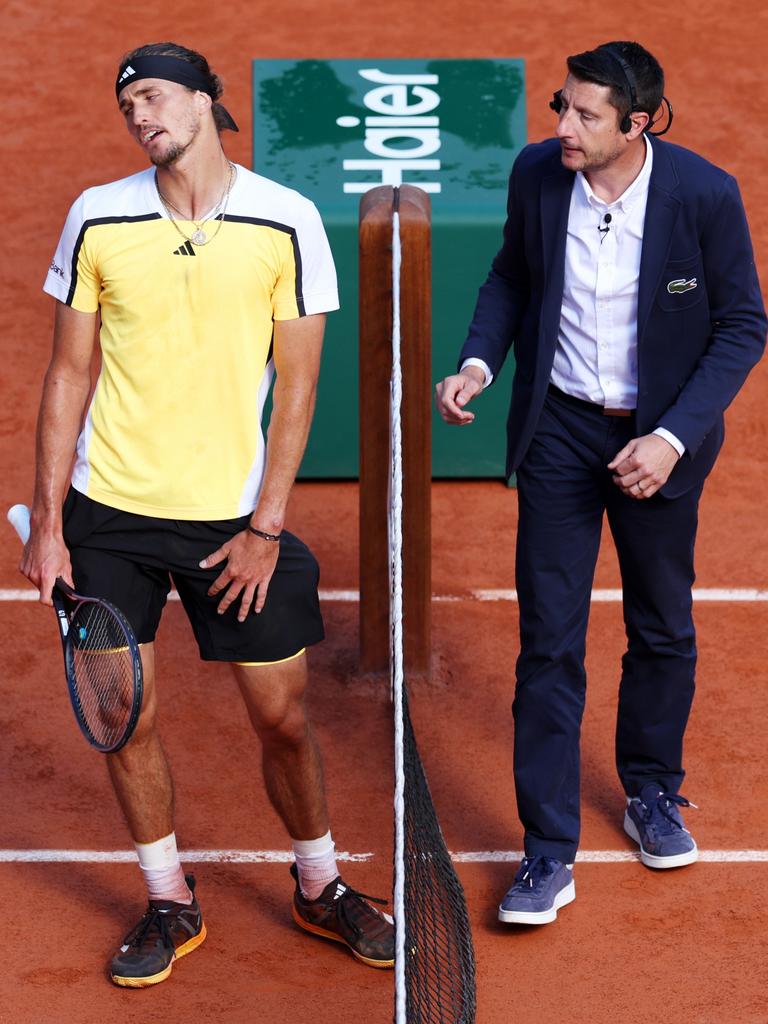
(176, 150)
(171, 155)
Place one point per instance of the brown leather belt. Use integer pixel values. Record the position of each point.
(581, 403)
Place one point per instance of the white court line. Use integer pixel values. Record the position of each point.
(353, 596)
(699, 594)
(611, 856)
(286, 857)
(27, 594)
(189, 856)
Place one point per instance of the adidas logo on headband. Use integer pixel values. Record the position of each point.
(126, 74)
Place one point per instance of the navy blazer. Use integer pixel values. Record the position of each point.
(694, 347)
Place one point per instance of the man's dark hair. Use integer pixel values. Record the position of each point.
(603, 66)
(191, 57)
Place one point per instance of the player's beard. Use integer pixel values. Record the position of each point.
(170, 156)
(176, 150)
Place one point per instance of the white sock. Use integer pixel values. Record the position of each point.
(161, 867)
(316, 864)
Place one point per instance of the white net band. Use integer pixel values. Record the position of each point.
(396, 619)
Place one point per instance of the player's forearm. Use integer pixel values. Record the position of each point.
(61, 410)
(292, 410)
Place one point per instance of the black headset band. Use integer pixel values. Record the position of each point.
(629, 76)
(634, 107)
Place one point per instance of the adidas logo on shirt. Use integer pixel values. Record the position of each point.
(185, 250)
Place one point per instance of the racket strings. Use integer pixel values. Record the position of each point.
(102, 671)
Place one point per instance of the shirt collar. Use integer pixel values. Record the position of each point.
(629, 197)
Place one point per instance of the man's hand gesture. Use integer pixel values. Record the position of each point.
(643, 466)
(455, 392)
(250, 564)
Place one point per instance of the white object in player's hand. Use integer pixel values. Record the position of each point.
(18, 517)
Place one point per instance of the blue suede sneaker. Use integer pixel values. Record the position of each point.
(542, 885)
(654, 821)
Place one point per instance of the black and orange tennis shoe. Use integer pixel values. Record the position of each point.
(167, 931)
(343, 915)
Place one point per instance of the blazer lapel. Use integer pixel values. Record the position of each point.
(660, 218)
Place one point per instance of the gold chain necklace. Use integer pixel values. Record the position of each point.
(199, 237)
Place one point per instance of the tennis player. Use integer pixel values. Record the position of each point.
(203, 281)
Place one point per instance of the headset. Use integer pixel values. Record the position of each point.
(625, 125)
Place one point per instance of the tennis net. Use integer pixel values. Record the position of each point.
(434, 959)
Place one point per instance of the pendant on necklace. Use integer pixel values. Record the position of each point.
(199, 237)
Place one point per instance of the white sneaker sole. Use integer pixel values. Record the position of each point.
(650, 860)
(565, 896)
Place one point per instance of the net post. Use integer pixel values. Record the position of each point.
(376, 214)
(375, 290)
(416, 329)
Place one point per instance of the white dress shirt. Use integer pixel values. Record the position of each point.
(596, 355)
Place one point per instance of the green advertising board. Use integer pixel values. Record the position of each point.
(334, 129)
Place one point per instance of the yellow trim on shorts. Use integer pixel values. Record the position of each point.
(248, 664)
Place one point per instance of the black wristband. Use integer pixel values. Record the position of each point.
(264, 536)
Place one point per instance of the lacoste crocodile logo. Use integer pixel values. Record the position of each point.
(680, 285)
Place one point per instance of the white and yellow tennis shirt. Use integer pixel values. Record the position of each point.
(174, 426)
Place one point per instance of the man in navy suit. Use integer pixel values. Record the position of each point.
(627, 288)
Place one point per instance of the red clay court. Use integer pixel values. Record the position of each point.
(688, 945)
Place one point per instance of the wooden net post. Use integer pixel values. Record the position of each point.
(376, 213)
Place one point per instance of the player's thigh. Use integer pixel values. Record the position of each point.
(106, 549)
(274, 693)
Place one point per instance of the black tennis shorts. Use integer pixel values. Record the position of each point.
(131, 560)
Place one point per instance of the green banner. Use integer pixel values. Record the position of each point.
(334, 129)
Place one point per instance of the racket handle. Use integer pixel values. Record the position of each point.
(18, 517)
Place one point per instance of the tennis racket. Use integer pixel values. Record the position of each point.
(102, 661)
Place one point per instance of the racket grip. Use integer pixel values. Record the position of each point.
(18, 517)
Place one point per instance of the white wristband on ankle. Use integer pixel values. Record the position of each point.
(158, 855)
(313, 847)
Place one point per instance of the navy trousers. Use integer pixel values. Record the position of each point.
(564, 490)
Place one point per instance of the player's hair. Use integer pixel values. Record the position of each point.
(600, 67)
(191, 57)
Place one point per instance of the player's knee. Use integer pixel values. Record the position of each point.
(147, 722)
(282, 724)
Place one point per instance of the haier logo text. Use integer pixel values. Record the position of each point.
(402, 111)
